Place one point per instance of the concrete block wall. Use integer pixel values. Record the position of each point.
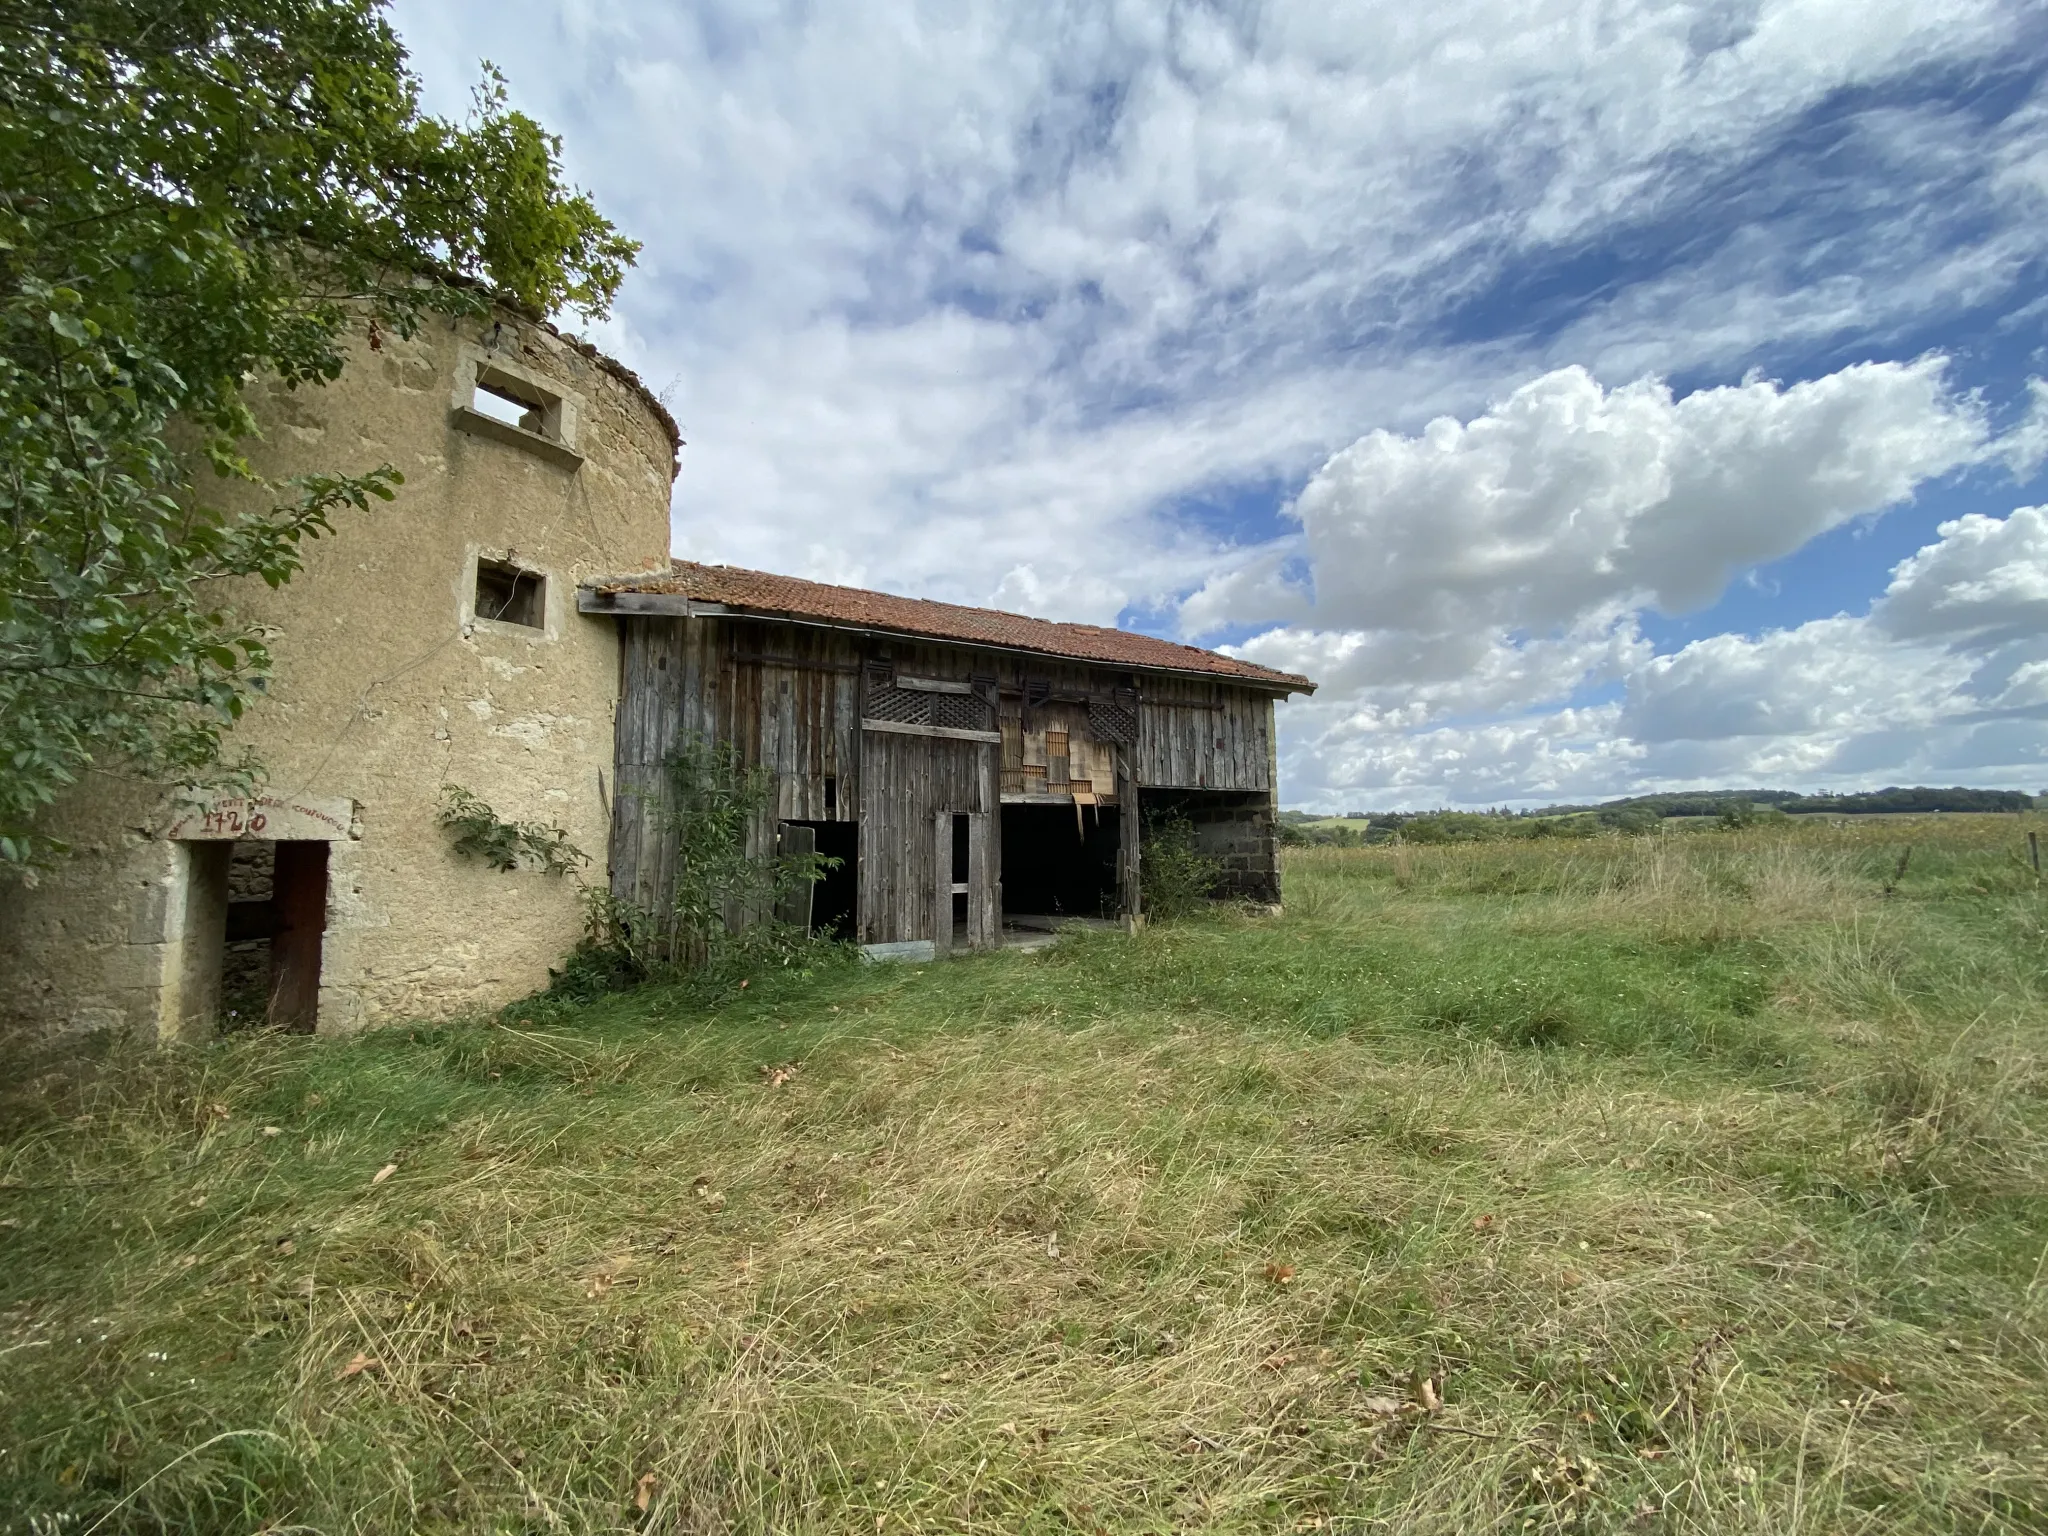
(1237, 828)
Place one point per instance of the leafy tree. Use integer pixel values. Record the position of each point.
(195, 194)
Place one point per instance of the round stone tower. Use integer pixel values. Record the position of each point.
(431, 641)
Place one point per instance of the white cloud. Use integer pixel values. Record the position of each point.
(1947, 675)
(1829, 679)
(1984, 582)
(1566, 497)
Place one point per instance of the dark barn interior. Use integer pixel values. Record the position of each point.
(1058, 864)
(835, 900)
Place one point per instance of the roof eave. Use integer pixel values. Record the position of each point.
(625, 602)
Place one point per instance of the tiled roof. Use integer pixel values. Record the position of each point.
(763, 592)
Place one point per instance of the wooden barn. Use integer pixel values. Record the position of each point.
(977, 773)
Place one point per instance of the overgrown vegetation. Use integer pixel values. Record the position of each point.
(1683, 1184)
(723, 916)
(198, 194)
(479, 832)
(1176, 879)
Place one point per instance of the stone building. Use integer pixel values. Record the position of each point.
(432, 640)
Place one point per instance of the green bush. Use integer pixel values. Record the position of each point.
(1175, 878)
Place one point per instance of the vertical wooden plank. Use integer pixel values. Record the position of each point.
(984, 894)
(299, 898)
(795, 841)
(942, 886)
(1130, 825)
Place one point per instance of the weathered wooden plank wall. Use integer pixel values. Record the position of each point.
(669, 684)
(794, 708)
(907, 783)
(1197, 735)
(790, 697)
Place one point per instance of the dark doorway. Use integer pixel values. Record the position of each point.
(836, 898)
(961, 864)
(276, 922)
(1058, 864)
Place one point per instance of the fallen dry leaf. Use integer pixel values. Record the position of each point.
(1481, 1223)
(360, 1364)
(271, 1130)
(383, 1173)
(1280, 1274)
(1428, 1391)
(1385, 1407)
(643, 1492)
(777, 1076)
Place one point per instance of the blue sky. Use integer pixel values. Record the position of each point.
(1579, 392)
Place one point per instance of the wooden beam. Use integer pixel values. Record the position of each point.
(659, 605)
(943, 732)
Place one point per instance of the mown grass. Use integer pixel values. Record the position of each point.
(1708, 1178)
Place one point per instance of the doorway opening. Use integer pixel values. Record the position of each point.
(957, 908)
(835, 899)
(1058, 864)
(270, 901)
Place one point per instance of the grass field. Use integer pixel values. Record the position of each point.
(1686, 1183)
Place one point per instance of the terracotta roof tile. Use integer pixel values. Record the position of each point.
(763, 592)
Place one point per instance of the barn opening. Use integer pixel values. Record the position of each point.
(256, 913)
(835, 900)
(1060, 860)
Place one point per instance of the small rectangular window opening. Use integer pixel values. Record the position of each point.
(510, 595)
(516, 403)
(831, 797)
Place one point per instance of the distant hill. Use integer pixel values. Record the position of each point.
(1712, 802)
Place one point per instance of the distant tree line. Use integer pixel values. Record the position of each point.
(1635, 814)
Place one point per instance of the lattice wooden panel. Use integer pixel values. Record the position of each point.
(1109, 720)
(962, 711)
(899, 706)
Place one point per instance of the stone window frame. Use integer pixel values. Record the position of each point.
(560, 410)
(550, 594)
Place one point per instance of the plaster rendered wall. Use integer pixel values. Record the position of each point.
(387, 685)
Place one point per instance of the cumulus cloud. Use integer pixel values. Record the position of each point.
(1566, 497)
(1946, 675)
(1985, 581)
(1829, 678)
